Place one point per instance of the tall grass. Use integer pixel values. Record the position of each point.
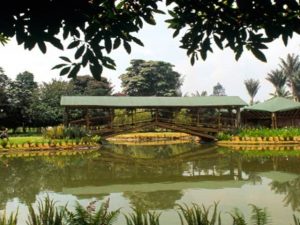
(46, 214)
(138, 217)
(199, 215)
(10, 220)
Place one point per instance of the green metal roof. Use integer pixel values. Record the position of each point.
(276, 104)
(125, 101)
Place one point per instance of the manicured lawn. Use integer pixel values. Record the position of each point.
(32, 139)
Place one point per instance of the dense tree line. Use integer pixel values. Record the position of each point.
(24, 103)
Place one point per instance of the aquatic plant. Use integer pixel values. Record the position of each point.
(296, 220)
(46, 214)
(259, 216)
(138, 217)
(10, 220)
(238, 217)
(197, 214)
(91, 216)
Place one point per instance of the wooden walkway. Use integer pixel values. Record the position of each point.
(205, 132)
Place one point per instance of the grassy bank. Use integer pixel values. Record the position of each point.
(262, 135)
(42, 143)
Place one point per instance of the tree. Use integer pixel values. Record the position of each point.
(87, 85)
(278, 80)
(218, 90)
(96, 27)
(4, 81)
(151, 78)
(197, 94)
(252, 87)
(291, 69)
(20, 97)
(46, 109)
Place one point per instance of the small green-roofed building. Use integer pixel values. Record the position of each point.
(274, 112)
(276, 104)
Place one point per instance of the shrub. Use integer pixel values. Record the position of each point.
(54, 132)
(4, 143)
(75, 132)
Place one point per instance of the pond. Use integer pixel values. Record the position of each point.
(157, 177)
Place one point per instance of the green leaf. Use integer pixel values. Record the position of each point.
(193, 59)
(42, 47)
(74, 71)
(285, 39)
(56, 43)
(176, 33)
(58, 66)
(73, 44)
(259, 54)
(138, 41)
(108, 44)
(127, 47)
(64, 71)
(203, 54)
(218, 42)
(96, 70)
(117, 43)
(79, 51)
(65, 59)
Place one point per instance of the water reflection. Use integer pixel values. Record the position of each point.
(151, 177)
(291, 190)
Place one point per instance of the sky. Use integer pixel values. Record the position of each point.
(220, 66)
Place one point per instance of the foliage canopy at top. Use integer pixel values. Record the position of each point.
(96, 27)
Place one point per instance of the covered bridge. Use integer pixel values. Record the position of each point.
(108, 115)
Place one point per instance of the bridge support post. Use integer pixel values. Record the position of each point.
(87, 119)
(238, 118)
(219, 119)
(66, 117)
(111, 114)
(198, 116)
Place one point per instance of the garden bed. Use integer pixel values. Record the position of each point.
(151, 137)
(38, 151)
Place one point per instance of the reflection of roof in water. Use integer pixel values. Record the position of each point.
(151, 187)
(217, 183)
(279, 176)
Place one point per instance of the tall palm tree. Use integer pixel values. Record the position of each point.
(278, 80)
(252, 87)
(291, 69)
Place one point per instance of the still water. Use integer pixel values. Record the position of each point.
(157, 177)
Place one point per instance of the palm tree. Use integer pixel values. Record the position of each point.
(278, 80)
(291, 69)
(252, 87)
